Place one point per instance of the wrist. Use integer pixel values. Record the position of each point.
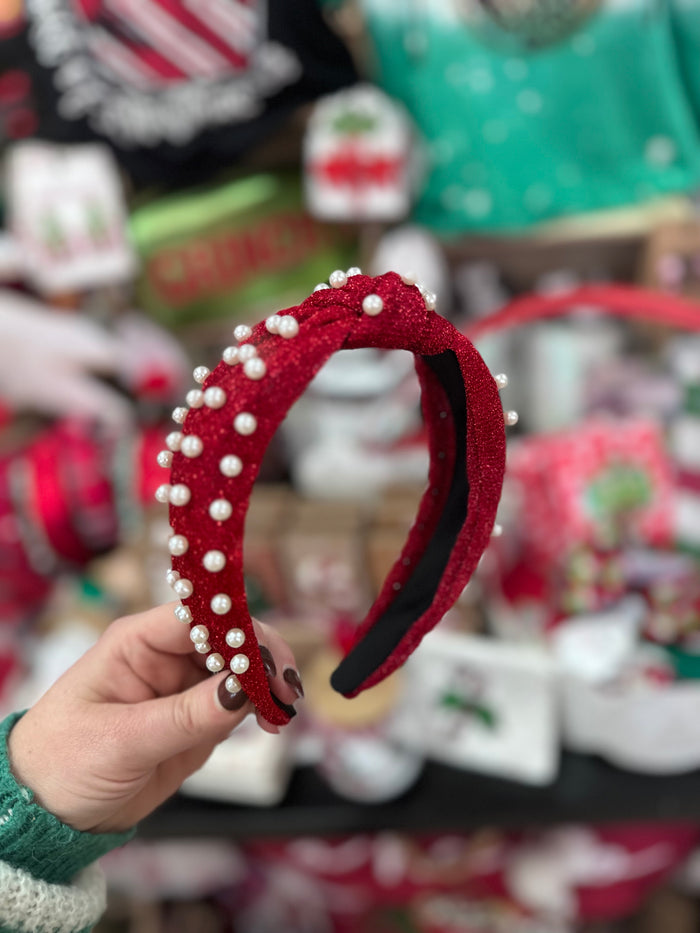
(36, 840)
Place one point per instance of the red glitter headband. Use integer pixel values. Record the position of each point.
(216, 456)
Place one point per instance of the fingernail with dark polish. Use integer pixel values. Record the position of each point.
(231, 701)
(285, 707)
(294, 680)
(268, 661)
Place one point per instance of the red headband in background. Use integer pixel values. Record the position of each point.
(215, 458)
(624, 301)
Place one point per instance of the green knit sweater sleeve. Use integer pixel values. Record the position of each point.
(36, 841)
(48, 879)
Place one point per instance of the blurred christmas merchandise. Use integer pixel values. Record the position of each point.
(180, 92)
(356, 752)
(179, 869)
(602, 485)
(671, 260)
(596, 647)
(684, 439)
(67, 364)
(568, 355)
(619, 693)
(360, 158)
(594, 515)
(640, 720)
(495, 89)
(484, 705)
(73, 617)
(487, 882)
(11, 267)
(267, 519)
(323, 559)
(585, 873)
(571, 878)
(242, 248)
(67, 219)
(418, 252)
(384, 883)
(261, 782)
(67, 493)
(66, 212)
(358, 429)
(511, 24)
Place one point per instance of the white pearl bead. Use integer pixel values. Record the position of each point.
(202, 647)
(214, 561)
(497, 530)
(354, 270)
(179, 414)
(191, 446)
(200, 373)
(289, 326)
(372, 305)
(173, 441)
(165, 459)
(430, 299)
(220, 604)
(233, 684)
(214, 397)
(501, 380)
(182, 614)
(162, 493)
(272, 323)
(215, 663)
(235, 637)
(177, 545)
(245, 423)
(220, 510)
(255, 369)
(239, 663)
(199, 633)
(338, 279)
(242, 332)
(230, 465)
(230, 356)
(171, 576)
(511, 418)
(195, 398)
(183, 587)
(320, 287)
(180, 494)
(409, 278)
(247, 352)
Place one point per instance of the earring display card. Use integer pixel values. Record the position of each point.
(484, 705)
(67, 213)
(359, 157)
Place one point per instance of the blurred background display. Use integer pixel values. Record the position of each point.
(172, 169)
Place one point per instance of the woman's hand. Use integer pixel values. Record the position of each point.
(118, 733)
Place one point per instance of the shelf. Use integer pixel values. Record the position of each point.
(444, 799)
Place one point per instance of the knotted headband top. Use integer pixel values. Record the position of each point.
(215, 457)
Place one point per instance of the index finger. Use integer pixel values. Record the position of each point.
(159, 629)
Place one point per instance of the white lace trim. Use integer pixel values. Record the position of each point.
(31, 906)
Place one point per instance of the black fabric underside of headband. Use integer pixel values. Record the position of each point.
(418, 592)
